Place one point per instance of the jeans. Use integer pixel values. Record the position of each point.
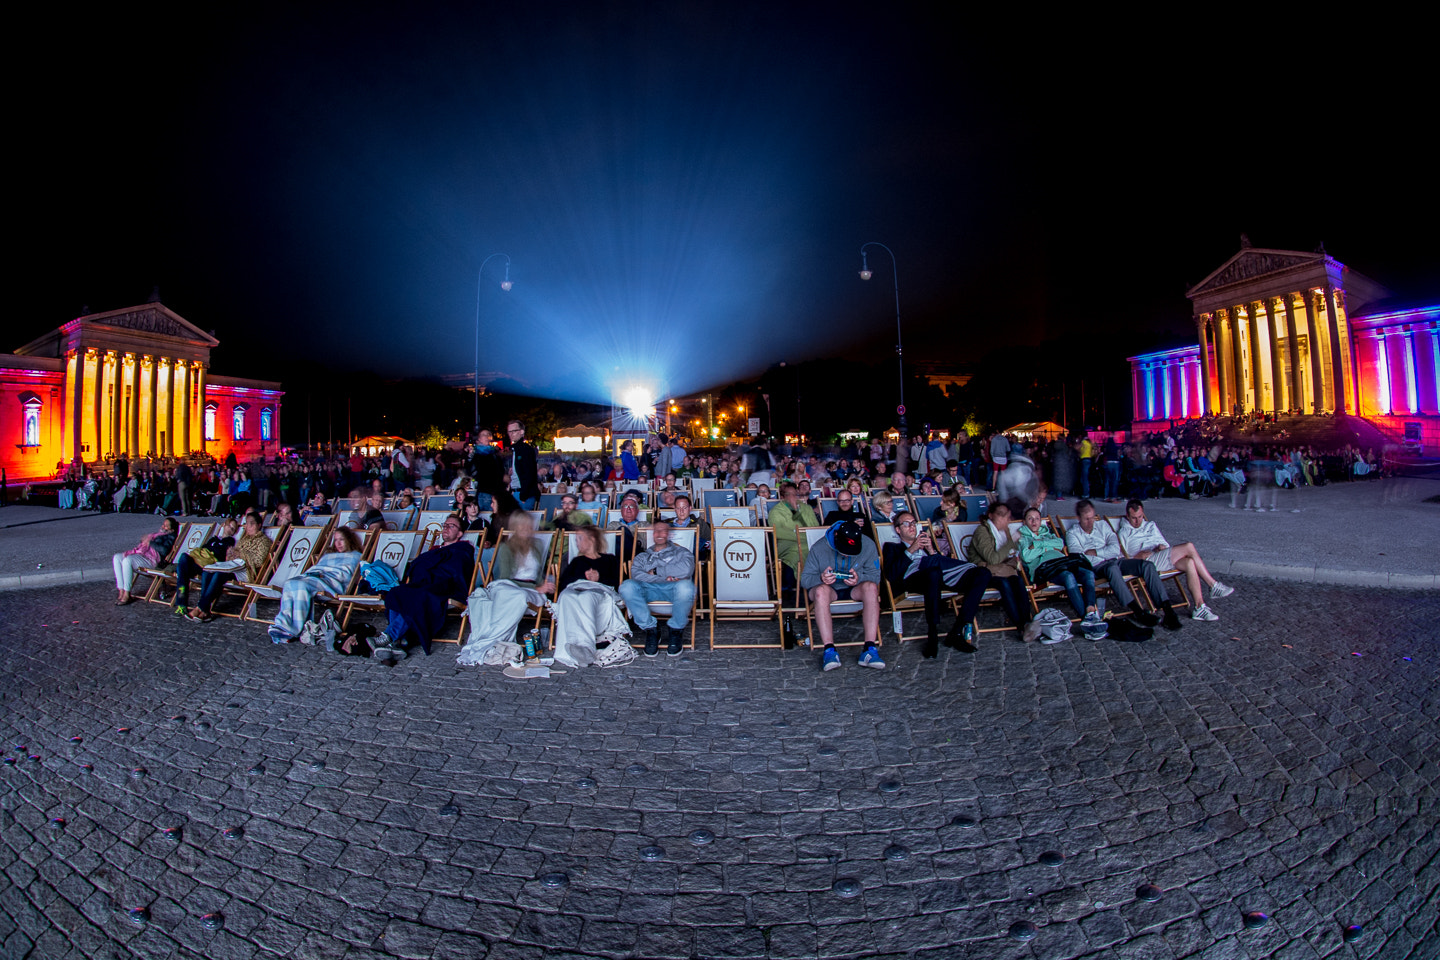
(125, 566)
(1112, 479)
(1082, 595)
(1014, 598)
(1085, 477)
(637, 595)
(1115, 571)
(211, 585)
(185, 568)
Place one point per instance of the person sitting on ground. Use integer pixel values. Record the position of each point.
(332, 574)
(1043, 554)
(1093, 538)
(663, 573)
(995, 548)
(844, 565)
(685, 518)
(151, 551)
(914, 565)
(417, 607)
(189, 565)
(1141, 539)
(253, 547)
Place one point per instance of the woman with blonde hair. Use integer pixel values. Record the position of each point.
(332, 574)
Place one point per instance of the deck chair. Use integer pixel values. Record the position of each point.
(395, 548)
(458, 608)
(236, 588)
(744, 579)
(571, 548)
(1062, 526)
(849, 609)
(701, 484)
(925, 506)
(597, 511)
(440, 501)
(1176, 575)
(732, 517)
(907, 602)
(975, 505)
(403, 519)
(430, 521)
(689, 538)
(716, 498)
(959, 535)
(548, 502)
(292, 557)
(192, 536)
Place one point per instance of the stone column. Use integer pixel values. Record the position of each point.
(200, 401)
(153, 444)
(1426, 380)
(185, 412)
(1250, 328)
(1277, 385)
(170, 408)
(1202, 327)
(1354, 391)
(1317, 361)
(77, 406)
(117, 399)
(134, 405)
(1337, 369)
(1236, 358)
(102, 436)
(1294, 395)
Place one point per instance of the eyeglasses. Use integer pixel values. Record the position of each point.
(906, 523)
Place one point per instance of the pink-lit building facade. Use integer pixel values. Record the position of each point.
(134, 381)
(1282, 331)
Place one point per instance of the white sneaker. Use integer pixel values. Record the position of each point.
(1219, 591)
(1203, 612)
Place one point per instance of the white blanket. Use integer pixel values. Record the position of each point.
(587, 613)
(495, 611)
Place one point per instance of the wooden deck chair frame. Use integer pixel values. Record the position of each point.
(237, 588)
(394, 547)
(460, 609)
(741, 556)
(291, 559)
(1175, 573)
(1062, 525)
(840, 609)
(191, 536)
(959, 535)
(689, 538)
(908, 602)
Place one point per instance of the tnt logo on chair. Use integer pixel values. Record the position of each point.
(739, 558)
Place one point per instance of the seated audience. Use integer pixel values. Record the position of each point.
(663, 573)
(844, 565)
(151, 551)
(913, 565)
(1141, 539)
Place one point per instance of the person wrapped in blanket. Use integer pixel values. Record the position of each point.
(418, 606)
(332, 573)
(590, 625)
(517, 585)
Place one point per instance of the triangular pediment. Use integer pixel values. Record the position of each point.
(153, 318)
(1251, 263)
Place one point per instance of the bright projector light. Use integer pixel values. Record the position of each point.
(638, 400)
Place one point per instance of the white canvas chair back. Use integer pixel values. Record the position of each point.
(702, 483)
(885, 533)
(295, 554)
(959, 535)
(538, 516)
(430, 521)
(398, 519)
(195, 537)
(396, 548)
(572, 544)
(742, 560)
(687, 537)
(732, 517)
(272, 533)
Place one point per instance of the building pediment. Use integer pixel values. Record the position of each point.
(153, 318)
(1251, 264)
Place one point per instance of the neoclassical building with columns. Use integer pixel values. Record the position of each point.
(1282, 331)
(134, 381)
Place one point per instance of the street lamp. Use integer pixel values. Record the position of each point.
(504, 285)
(902, 449)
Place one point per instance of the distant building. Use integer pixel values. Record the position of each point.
(133, 381)
(1281, 331)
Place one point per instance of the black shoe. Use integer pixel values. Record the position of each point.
(1142, 618)
(674, 642)
(931, 649)
(962, 639)
(1171, 621)
(652, 643)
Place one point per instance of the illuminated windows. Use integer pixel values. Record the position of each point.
(238, 417)
(267, 416)
(30, 428)
(210, 421)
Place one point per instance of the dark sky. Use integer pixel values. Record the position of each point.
(683, 188)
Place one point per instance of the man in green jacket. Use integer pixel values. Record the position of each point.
(785, 518)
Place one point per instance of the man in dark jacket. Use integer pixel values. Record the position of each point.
(524, 468)
(913, 565)
(417, 607)
(488, 472)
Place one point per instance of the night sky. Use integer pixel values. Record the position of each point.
(683, 188)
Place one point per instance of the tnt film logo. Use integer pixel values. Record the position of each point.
(299, 551)
(739, 557)
(393, 554)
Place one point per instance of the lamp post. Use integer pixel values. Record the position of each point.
(504, 285)
(902, 449)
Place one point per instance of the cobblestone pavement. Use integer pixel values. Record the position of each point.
(199, 792)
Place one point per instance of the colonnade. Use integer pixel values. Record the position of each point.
(133, 403)
(1291, 352)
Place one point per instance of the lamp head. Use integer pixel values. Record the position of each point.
(866, 274)
(506, 285)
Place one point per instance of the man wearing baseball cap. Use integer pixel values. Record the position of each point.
(844, 565)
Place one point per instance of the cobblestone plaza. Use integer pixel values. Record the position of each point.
(176, 790)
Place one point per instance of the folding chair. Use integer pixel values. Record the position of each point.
(732, 517)
(701, 484)
(548, 502)
(292, 557)
(399, 519)
(192, 536)
(689, 538)
(959, 535)
(907, 602)
(430, 521)
(1174, 573)
(716, 498)
(744, 579)
(1062, 526)
(925, 506)
(395, 548)
(975, 505)
(236, 588)
(807, 537)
